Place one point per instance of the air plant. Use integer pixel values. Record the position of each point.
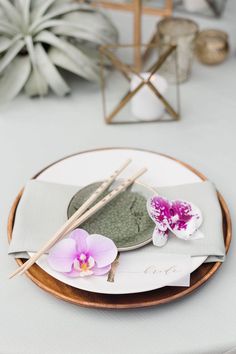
(38, 38)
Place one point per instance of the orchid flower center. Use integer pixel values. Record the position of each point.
(84, 263)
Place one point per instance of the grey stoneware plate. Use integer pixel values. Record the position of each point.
(125, 219)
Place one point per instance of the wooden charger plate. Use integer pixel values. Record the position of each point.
(144, 299)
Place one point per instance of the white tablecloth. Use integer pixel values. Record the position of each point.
(34, 133)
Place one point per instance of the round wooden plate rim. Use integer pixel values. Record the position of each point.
(35, 269)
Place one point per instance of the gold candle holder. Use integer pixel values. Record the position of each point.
(212, 47)
(131, 94)
(208, 8)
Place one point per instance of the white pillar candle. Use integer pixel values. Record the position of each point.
(195, 5)
(145, 105)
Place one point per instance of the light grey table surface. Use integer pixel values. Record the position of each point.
(34, 133)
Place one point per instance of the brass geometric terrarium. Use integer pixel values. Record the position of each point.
(141, 93)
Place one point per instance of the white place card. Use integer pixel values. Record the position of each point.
(154, 268)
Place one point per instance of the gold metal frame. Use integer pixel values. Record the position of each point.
(138, 9)
(127, 71)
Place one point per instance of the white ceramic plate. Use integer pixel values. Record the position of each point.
(91, 166)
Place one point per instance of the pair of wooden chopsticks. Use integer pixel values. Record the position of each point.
(83, 213)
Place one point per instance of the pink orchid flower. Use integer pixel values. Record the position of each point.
(82, 254)
(181, 217)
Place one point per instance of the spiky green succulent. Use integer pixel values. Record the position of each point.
(38, 37)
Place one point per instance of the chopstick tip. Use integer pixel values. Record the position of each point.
(144, 169)
(128, 161)
(12, 275)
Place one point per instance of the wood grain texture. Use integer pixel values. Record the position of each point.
(137, 4)
(151, 298)
(164, 11)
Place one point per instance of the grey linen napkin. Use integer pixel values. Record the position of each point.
(43, 209)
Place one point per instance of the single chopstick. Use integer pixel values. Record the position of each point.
(85, 217)
(60, 233)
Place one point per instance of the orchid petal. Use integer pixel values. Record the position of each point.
(91, 262)
(80, 236)
(73, 273)
(62, 255)
(102, 249)
(86, 273)
(158, 210)
(186, 219)
(159, 237)
(95, 271)
(101, 271)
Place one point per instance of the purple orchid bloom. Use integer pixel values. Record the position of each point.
(181, 217)
(82, 254)
(159, 211)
